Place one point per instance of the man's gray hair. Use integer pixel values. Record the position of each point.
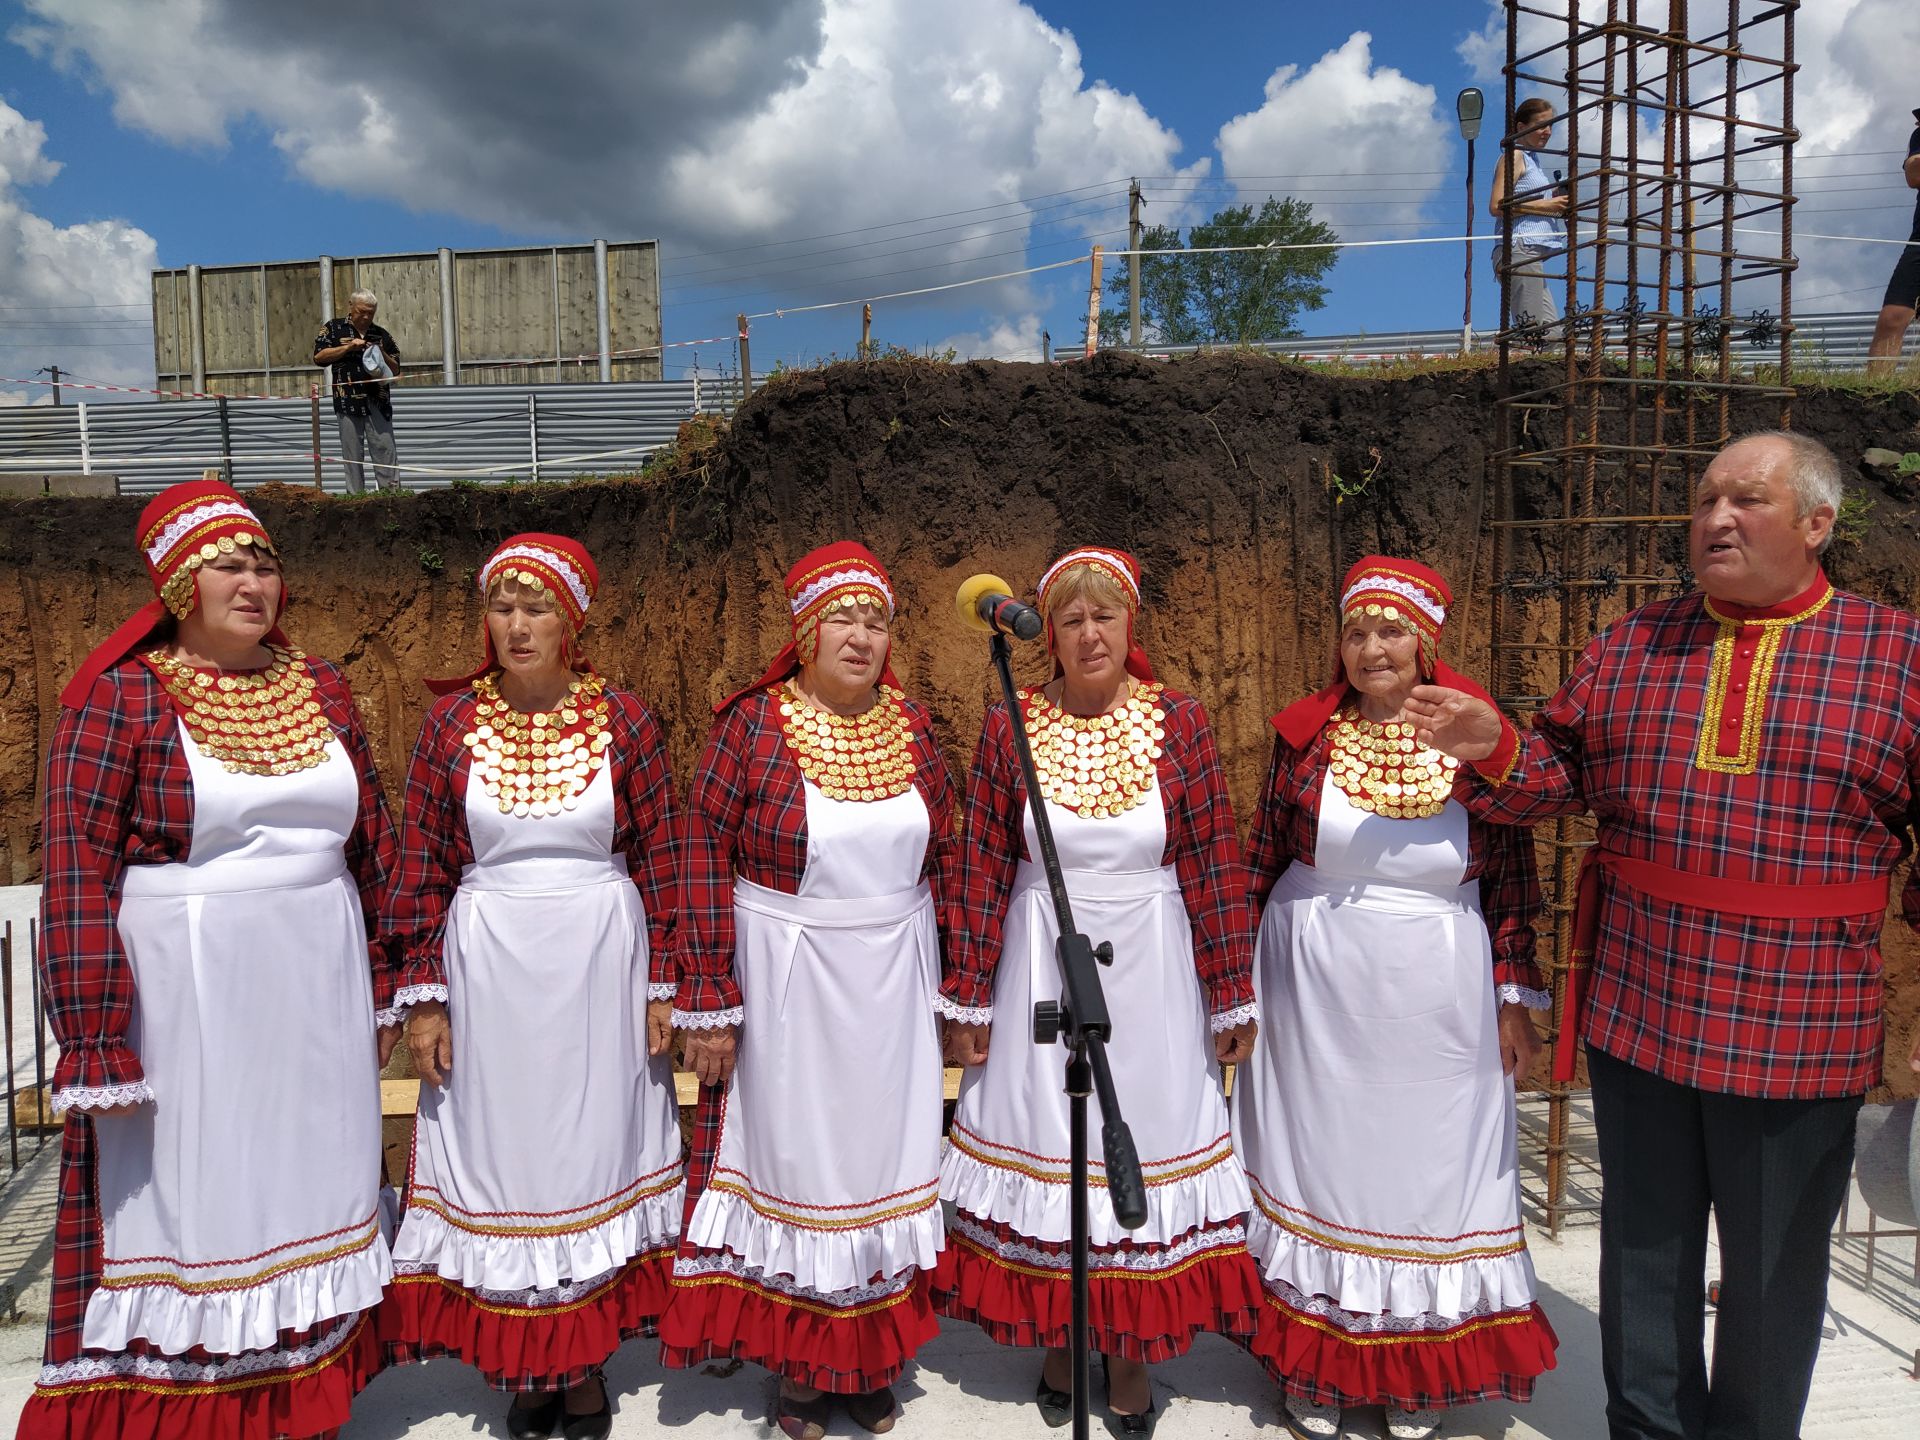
(363, 297)
(1812, 469)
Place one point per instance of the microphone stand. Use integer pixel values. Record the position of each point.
(1081, 1023)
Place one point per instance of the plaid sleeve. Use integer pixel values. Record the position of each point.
(651, 839)
(990, 846)
(708, 996)
(84, 974)
(1538, 776)
(936, 788)
(432, 856)
(1270, 844)
(372, 853)
(1509, 900)
(1213, 880)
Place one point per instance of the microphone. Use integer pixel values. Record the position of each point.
(985, 603)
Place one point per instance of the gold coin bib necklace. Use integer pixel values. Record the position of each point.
(540, 764)
(254, 722)
(1097, 766)
(1381, 768)
(861, 757)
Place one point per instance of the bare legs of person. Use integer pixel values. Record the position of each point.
(1129, 1391)
(1889, 335)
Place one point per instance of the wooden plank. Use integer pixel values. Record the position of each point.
(505, 302)
(292, 293)
(633, 307)
(408, 289)
(230, 318)
(579, 323)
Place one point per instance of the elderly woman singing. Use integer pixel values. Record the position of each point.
(817, 850)
(1376, 1116)
(215, 843)
(535, 902)
(1132, 784)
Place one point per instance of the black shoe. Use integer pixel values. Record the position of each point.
(595, 1424)
(1056, 1406)
(1124, 1426)
(534, 1422)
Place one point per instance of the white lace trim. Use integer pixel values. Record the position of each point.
(721, 1262)
(963, 1014)
(199, 515)
(708, 1019)
(188, 1372)
(407, 996)
(837, 580)
(1353, 1322)
(101, 1097)
(1226, 1020)
(552, 559)
(1143, 1260)
(1405, 589)
(665, 991)
(1524, 995)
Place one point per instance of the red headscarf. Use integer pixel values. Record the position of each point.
(1393, 589)
(837, 575)
(552, 564)
(1119, 567)
(182, 528)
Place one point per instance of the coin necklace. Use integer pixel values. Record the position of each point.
(539, 764)
(1097, 766)
(254, 722)
(1384, 770)
(868, 756)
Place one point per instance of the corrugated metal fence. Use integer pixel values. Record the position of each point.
(479, 432)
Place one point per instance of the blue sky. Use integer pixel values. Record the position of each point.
(214, 132)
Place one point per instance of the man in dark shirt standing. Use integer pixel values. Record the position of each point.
(364, 360)
(1903, 291)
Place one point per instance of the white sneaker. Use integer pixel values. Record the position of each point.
(1412, 1424)
(1312, 1422)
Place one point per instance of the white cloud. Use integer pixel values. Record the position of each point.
(1346, 115)
(1004, 339)
(75, 296)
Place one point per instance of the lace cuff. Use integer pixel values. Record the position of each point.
(101, 1097)
(404, 999)
(963, 1014)
(708, 1019)
(1239, 1015)
(1524, 995)
(665, 991)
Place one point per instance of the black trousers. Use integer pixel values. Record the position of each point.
(1773, 1173)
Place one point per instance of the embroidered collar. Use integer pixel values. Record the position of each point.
(1806, 603)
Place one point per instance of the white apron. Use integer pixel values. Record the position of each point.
(552, 1153)
(1008, 1160)
(1374, 1103)
(829, 1160)
(243, 1200)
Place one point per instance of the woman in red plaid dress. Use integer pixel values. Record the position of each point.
(1376, 1117)
(818, 842)
(1145, 833)
(215, 843)
(534, 902)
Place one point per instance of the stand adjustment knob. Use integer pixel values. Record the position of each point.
(1046, 1022)
(1103, 952)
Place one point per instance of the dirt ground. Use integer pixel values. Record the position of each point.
(1221, 473)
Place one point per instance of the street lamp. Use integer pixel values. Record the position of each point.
(1469, 105)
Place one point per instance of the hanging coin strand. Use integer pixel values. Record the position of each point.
(868, 756)
(539, 764)
(254, 722)
(1382, 769)
(1098, 766)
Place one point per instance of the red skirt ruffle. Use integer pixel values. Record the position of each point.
(1489, 1357)
(282, 1405)
(521, 1348)
(1143, 1315)
(845, 1351)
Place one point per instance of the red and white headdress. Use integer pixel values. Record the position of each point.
(1116, 565)
(552, 564)
(824, 580)
(182, 528)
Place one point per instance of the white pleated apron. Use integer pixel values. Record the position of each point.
(1009, 1158)
(1374, 1103)
(243, 1200)
(552, 1153)
(829, 1159)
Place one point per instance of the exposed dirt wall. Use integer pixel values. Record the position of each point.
(1214, 470)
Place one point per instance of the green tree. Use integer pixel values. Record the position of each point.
(1235, 299)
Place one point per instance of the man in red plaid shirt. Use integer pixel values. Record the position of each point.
(1750, 755)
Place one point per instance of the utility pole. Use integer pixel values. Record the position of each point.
(1046, 347)
(54, 370)
(746, 361)
(1134, 202)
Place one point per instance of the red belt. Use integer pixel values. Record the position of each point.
(1717, 893)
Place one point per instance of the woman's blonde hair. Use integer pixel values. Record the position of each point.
(1089, 583)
